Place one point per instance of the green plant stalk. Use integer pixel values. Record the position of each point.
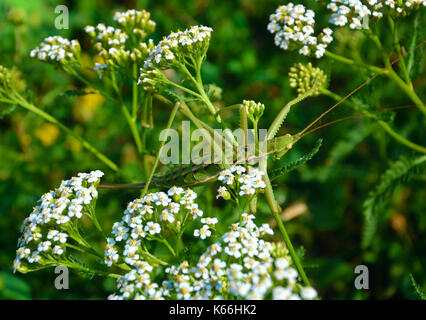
(253, 201)
(399, 53)
(130, 120)
(167, 244)
(406, 88)
(352, 62)
(74, 73)
(272, 203)
(389, 72)
(134, 92)
(244, 127)
(158, 260)
(26, 105)
(85, 250)
(97, 272)
(200, 87)
(381, 123)
(157, 158)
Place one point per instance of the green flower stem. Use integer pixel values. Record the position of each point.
(389, 72)
(26, 105)
(154, 258)
(69, 245)
(134, 92)
(167, 244)
(275, 208)
(157, 158)
(399, 53)
(74, 73)
(85, 250)
(381, 123)
(72, 265)
(273, 205)
(97, 224)
(7, 101)
(191, 92)
(253, 201)
(130, 120)
(406, 88)
(198, 82)
(244, 124)
(354, 63)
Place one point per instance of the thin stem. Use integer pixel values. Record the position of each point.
(157, 158)
(85, 250)
(26, 105)
(191, 92)
(406, 88)
(89, 84)
(90, 270)
(388, 71)
(167, 244)
(135, 91)
(131, 121)
(273, 205)
(198, 82)
(381, 123)
(158, 260)
(244, 127)
(398, 51)
(352, 62)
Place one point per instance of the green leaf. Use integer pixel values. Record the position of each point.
(400, 172)
(417, 288)
(274, 174)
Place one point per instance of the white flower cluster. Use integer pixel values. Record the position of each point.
(177, 50)
(239, 183)
(293, 26)
(178, 45)
(119, 47)
(148, 218)
(45, 231)
(242, 265)
(137, 285)
(135, 22)
(355, 12)
(56, 49)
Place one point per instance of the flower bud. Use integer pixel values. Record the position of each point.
(254, 109)
(306, 78)
(5, 76)
(16, 16)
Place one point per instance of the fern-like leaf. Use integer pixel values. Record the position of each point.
(417, 288)
(400, 172)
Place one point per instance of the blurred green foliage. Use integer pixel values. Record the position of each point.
(244, 62)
